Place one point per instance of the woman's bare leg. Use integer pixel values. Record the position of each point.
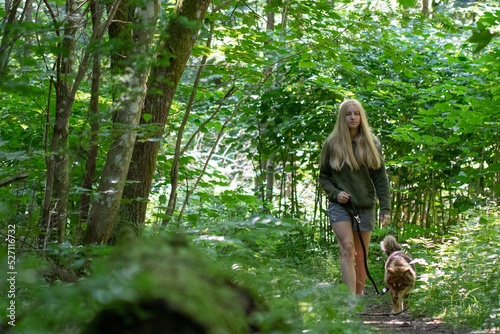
(343, 231)
(359, 259)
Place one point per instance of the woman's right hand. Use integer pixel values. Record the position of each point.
(343, 197)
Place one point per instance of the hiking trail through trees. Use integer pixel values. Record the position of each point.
(376, 315)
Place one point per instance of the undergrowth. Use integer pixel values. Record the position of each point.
(292, 269)
(459, 279)
(285, 263)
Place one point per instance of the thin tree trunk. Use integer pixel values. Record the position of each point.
(415, 211)
(189, 192)
(50, 175)
(174, 171)
(172, 57)
(283, 183)
(267, 198)
(58, 163)
(421, 209)
(120, 38)
(411, 207)
(270, 162)
(480, 181)
(105, 210)
(229, 119)
(6, 44)
(295, 202)
(259, 177)
(58, 147)
(28, 40)
(428, 208)
(270, 178)
(425, 7)
(173, 194)
(90, 165)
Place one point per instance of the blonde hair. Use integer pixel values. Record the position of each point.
(338, 148)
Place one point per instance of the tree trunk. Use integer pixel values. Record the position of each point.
(120, 38)
(202, 173)
(6, 45)
(189, 192)
(105, 209)
(28, 40)
(57, 183)
(270, 179)
(65, 94)
(174, 171)
(90, 165)
(173, 54)
(425, 7)
(268, 199)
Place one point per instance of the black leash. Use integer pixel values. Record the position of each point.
(354, 212)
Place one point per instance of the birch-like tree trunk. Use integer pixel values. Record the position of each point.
(105, 209)
(172, 56)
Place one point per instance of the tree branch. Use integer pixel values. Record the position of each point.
(13, 179)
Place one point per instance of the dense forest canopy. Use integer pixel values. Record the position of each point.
(193, 115)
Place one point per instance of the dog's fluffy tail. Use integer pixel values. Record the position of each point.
(390, 245)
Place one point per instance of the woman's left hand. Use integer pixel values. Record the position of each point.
(385, 219)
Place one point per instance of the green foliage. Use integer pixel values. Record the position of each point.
(459, 277)
(291, 268)
(292, 293)
(483, 36)
(154, 268)
(429, 85)
(431, 101)
(293, 274)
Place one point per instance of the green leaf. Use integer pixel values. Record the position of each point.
(306, 64)
(147, 117)
(408, 3)
(6, 209)
(347, 65)
(482, 38)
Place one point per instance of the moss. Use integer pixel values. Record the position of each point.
(145, 284)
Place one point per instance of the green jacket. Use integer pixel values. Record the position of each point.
(364, 184)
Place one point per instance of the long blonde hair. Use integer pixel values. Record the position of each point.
(338, 147)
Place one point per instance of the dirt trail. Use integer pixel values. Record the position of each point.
(401, 323)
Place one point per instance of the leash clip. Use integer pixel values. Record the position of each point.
(358, 219)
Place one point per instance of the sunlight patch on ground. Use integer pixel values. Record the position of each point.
(391, 322)
(487, 331)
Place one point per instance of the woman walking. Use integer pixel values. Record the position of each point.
(351, 166)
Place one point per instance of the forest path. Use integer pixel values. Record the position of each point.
(375, 316)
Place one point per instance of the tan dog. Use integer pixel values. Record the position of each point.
(400, 274)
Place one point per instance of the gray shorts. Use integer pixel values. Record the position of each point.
(337, 213)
